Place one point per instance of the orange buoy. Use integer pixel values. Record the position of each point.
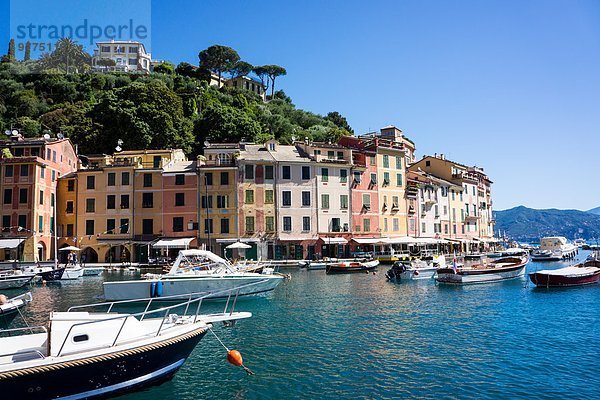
(235, 357)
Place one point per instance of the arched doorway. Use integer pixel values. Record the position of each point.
(89, 255)
(118, 254)
(41, 248)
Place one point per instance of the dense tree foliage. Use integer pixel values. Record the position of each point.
(173, 107)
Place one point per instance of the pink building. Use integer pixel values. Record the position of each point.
(28, 183)
(180, 210)
(364, 196)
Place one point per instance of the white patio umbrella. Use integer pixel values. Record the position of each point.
(239, 245)
(70, 248)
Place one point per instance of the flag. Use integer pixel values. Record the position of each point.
(454, 263)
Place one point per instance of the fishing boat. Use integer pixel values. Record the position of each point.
(423, 268)
(194, 271)
(499, 270)
(9, 308)
(92, 353)
(348, 267)
(14, 279)
(554, 248)
(576, 275)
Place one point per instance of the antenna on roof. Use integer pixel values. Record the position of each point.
(206, 144)
(7, 132)
(60, 136)
(46, 136)
(15, 132)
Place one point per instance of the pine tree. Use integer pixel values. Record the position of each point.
(11, 51)
(27, 51)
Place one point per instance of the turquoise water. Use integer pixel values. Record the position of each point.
(361, 337)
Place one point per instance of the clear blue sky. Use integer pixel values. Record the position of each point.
(513, 86)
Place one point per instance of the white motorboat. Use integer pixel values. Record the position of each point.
(14, 279)
(554, 248)
(9, 308)
(90, 353)
(194, 271)
(72, 272)
(92, 271)
(511, 252)
(423, 268)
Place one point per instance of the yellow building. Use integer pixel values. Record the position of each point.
(119, 204)
(217, 187)
(394, 153)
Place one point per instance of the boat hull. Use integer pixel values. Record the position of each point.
(127, 290)
(53, 275)
(102, 376)
(15, 282)
(548, 280)
(92, 271)
(488, 275)
(72, 273)
(345, 269)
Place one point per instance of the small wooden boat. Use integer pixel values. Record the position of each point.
(498, 270)
(349, 267)
(14, 279)
(576, 275)
(9, 308)
(94, 353)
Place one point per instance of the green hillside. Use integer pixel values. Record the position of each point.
(174, 107)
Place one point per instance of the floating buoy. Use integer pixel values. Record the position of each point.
(235, 358)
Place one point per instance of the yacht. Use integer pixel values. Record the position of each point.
(194, 271)
(90, 352)
(14, 279)
(554, 248)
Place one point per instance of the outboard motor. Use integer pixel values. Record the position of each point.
(396, 271)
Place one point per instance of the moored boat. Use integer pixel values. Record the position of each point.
(423, 268)
(348, 267)
(14, 279)
(72, 272)
(576, 275)
(90, 354)
(499, 270)
(92, 271)
(9, 308)
(194, 271)
(554, 248)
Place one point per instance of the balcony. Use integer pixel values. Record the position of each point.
(430, 201)
(471, 217)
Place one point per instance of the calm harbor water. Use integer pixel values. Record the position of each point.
(361, 337)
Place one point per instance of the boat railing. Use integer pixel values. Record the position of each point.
(193, 298)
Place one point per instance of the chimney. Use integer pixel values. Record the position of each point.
(442, 156)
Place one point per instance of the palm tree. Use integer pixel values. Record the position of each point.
(66, 55)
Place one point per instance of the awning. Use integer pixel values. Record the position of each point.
(400, 240)
(243, 240)
(295, 239)
(369, 240)
(179, 243)
(10, 243)
(333, 240)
